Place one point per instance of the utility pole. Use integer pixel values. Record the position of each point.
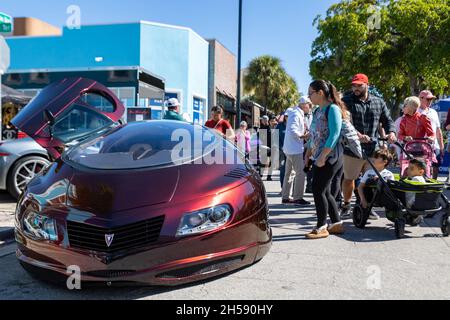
(238, 98)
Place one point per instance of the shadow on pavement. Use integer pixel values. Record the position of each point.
(5, 197)
(30, 287)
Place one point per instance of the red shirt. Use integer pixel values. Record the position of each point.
(221, 126)
(415, 126)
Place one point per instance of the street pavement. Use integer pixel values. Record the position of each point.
(361, 264)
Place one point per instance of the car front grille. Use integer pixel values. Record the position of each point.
(88, 237)
(205, 268)
(110, 273)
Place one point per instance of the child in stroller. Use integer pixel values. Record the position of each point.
(381, 160)
(405, 201)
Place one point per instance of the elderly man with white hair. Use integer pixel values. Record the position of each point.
(296, 133)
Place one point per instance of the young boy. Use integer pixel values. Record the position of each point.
(381, 159)
(416, 170)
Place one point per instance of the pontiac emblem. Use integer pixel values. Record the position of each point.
(109, 239)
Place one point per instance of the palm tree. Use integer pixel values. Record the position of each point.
(268, 83)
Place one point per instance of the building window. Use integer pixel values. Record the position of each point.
(13, 79)
(39, 78)
(125, 95)
(121, 76)
(98, 101)
(170, 95)
(227, 102)
(199, 111)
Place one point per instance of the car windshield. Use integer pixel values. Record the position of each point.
(147, 144)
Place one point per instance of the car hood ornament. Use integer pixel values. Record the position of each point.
(109, 239)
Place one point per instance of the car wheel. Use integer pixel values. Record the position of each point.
(23, 171)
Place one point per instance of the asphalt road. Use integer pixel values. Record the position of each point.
(7, 208)
(361, 264)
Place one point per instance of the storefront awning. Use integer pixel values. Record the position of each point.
(14, 96)
(226, 94)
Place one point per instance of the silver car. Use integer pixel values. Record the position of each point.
(20, 161)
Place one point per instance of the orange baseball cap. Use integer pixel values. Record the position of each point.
(360, 78)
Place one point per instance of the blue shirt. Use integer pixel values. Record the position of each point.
(326, 131)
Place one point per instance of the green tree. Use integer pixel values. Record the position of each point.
(268, 84)
(403, 46)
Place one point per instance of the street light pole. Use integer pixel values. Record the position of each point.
(238, 98)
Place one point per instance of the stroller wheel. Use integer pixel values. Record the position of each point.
(445, 225)
(360, 217)
(400, 224)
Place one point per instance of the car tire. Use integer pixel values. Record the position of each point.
(22, 170)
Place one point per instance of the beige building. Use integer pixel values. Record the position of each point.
(34, 27)
(222, 79)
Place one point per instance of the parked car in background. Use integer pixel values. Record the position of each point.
(20, 161)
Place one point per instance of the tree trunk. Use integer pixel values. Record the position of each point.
(414, 84)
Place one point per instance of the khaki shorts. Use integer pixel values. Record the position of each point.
(353, 167)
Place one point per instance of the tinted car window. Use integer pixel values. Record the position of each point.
(148, 144)
(98, 101)
(79, 122)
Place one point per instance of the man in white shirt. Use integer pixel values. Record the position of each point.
(426, 100)
(293, 149)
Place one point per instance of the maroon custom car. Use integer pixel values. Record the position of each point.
(134, 203)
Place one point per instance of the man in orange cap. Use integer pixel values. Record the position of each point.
(367, 112)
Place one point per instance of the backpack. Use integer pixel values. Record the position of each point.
(349, 136)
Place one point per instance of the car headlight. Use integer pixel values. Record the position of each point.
(204, 220)
(40, 227)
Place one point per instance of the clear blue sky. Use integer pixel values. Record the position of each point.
(282, 28)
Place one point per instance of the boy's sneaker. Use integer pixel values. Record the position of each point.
(301, 202)
(345, 211)
(287, 201)
(373, 215)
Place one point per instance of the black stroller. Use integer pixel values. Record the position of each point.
(405, 202)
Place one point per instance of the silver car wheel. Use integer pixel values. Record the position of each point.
(27, 171)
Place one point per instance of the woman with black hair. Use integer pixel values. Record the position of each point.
(326, 152)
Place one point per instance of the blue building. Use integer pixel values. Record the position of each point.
(144, 63)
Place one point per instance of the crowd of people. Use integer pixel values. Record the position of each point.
(306, 144)
(314, 159)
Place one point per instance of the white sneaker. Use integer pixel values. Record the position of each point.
(373, 215)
